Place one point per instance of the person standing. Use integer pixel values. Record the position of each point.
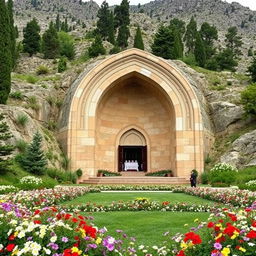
(193, 178)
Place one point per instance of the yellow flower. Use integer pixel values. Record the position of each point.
(235, 234)
(242, 249)
(185, 225)
(225, 251)
(218, 236)
(75, 249)
(98, 240)
(183, 246)
(196, 220)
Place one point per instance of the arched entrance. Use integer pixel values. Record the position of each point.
(138, 90)
(132, 152)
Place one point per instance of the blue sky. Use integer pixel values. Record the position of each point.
(248, 3)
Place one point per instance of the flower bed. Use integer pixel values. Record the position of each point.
(4, 189)
(141, 206)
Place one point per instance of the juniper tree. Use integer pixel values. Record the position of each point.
(209, 34)
(138, 41)
(122, 22)
(67, 47)
(5, 149)
(31, 41)
(233, 41)
(5, 54)
(111, 29)
(57, 23)
(50, 42)
(34, 160)
(200, 55)
(103, 21)
(189, 37)
(252, 70)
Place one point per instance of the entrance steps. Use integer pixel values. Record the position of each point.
(135, 180)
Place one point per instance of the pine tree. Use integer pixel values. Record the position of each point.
(233, 41)
(209, 34)
(12, 33)
(103, 21)
(252, 70)
(226, 60)
(5, 54)
(5, 149)
(190, 35)
(31, 41)
(34, 159)
(122, 22)
(200, 54)
(57, 23)
(111, 29)
(64, 26)
(162, 43)
(96, 48)
(62, 65)
(50, 42)
(138, 41)
(179, 25)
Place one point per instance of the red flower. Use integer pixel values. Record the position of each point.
(74, 220)
(37, 222)
(254, 223)
(196, 239)
(251, 234)
(36, 212)
(210, 225)
(10, 247)
(229, 230)
(165, 203)
(67, 216)
(232, 217)
(11, 237)
(181, 253)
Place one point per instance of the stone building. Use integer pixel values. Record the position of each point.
(133, 107)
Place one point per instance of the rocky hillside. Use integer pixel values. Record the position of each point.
(217, 12)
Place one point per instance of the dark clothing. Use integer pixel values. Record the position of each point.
(193, 180)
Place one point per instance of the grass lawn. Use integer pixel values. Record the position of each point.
(147, 227)
(105, 198)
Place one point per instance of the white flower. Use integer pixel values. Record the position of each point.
(53, 239)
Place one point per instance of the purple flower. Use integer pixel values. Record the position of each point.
(119, 231)
(109, 243)
(217, 246)
(94, 246)
(29, 238)
(64, 239)
(53, 246)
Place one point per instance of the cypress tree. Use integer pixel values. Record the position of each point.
(233, 41)
(103, 21)
(5, 54)
(57, 23)
(111, 29)
(190, 35)
(122, 22)
(138, 41)
(34, 159)
(96, 48)
(200, 55)
(50, 42)
(12, 33)
(5, 150)
(31, 41)
(178, 47)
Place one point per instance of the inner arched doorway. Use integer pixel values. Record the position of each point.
(132, 152)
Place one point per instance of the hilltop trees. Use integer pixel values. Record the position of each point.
(5, 53)
(190, 36)
(103, 21)
(31, 41)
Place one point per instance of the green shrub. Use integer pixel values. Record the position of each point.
(62, 176)
(108, 173)
(245, 175)
(17, 95)
(208, 159)
(67, 47)
(248, 99)
(115, 50)
(31, 79)
(204, 178)
(42, 70)
(22, 119)
(21, 145)
(161, 173)
(79, 172)
(50, 100)
(32, 103)
(62, 65)
(190, 60)
(222, 173)
(96, 48)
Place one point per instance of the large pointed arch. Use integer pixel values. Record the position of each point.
(78, 130)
